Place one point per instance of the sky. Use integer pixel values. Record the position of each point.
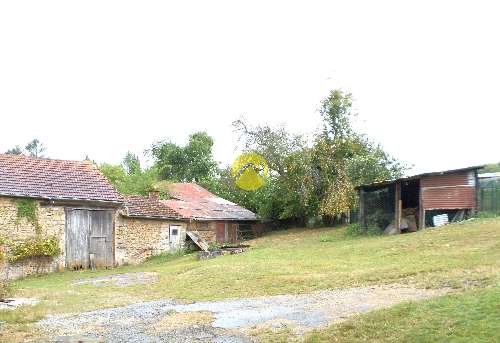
(100, 78)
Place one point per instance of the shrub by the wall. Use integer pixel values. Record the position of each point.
(37, 247)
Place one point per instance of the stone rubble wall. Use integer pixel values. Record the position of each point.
(136, 239)
(52, 223)
(205, 230)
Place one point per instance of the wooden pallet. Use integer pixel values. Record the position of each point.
(200, 242)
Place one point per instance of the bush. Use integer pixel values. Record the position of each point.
(486, 214)
(359, 230)
(167, 255)
(36, 247)
(5, 289)
(214, 246)
(3, 245)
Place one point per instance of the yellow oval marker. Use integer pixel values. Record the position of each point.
(250, 171)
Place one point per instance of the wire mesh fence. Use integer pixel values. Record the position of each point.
(380, 206)
(489, 197)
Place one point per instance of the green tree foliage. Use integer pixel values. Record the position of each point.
(336, 111)
(131, 163)
(275, 144)
(346, 159)
(316, 179)
(34, 148)
(129, 178)
(309, 177)
(192, 162)
(492, 168)
(17, 150)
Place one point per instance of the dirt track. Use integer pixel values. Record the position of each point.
(226, 320)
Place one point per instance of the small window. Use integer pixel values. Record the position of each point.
(175, 232)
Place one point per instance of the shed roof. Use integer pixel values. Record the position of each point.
(24, 176)
(418, 176)
(195, 202)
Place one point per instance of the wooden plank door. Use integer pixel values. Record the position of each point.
(101, 238)
(77, 239)
(220, 232)
(233, 233)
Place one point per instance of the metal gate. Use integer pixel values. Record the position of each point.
(89, 238)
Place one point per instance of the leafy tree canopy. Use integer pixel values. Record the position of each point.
(492, 168)
(129, 178)
(192, 162)
(316, 179)
(34, 148)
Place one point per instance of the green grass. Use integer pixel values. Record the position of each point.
(472, 316)
(294, 261)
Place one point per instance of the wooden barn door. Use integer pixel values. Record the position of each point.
(89, 233)
(77, 239)
(101, 238)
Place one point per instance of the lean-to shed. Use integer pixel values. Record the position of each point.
(411, 202)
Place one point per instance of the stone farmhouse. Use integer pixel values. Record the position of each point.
(71, 208)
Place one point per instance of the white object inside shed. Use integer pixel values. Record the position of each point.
(440, 220)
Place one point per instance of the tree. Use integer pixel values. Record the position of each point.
(274, 144)
(131, 163)
(344, 158)
(35, 148)
(492, 168)
(336, 111)
(192, 162)
(17, 150)
(129, 178)
(316, 179)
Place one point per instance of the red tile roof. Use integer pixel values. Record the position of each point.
(139, 206)
(195, 202)
(24, 176)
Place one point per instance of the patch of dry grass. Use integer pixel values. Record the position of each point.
(178, 320)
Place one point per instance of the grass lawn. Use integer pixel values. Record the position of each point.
(463, 256)
(472, 316)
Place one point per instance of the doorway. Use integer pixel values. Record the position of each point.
(89, 238)
(174, 236)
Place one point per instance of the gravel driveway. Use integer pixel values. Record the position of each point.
(225, 321)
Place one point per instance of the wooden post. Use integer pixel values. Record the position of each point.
(421, 210)
(477, 188)
(398, 207)
(361, 214)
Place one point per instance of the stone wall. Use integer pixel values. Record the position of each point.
(136, 239)
(52, 223)
(206, 230)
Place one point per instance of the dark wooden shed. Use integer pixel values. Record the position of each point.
(452, 192)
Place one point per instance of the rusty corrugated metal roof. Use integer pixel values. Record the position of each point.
(195, 202)
(413, 177)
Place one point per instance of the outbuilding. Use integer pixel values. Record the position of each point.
(414, 202)
(58, 214)
(68, 206)
(215, 219)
